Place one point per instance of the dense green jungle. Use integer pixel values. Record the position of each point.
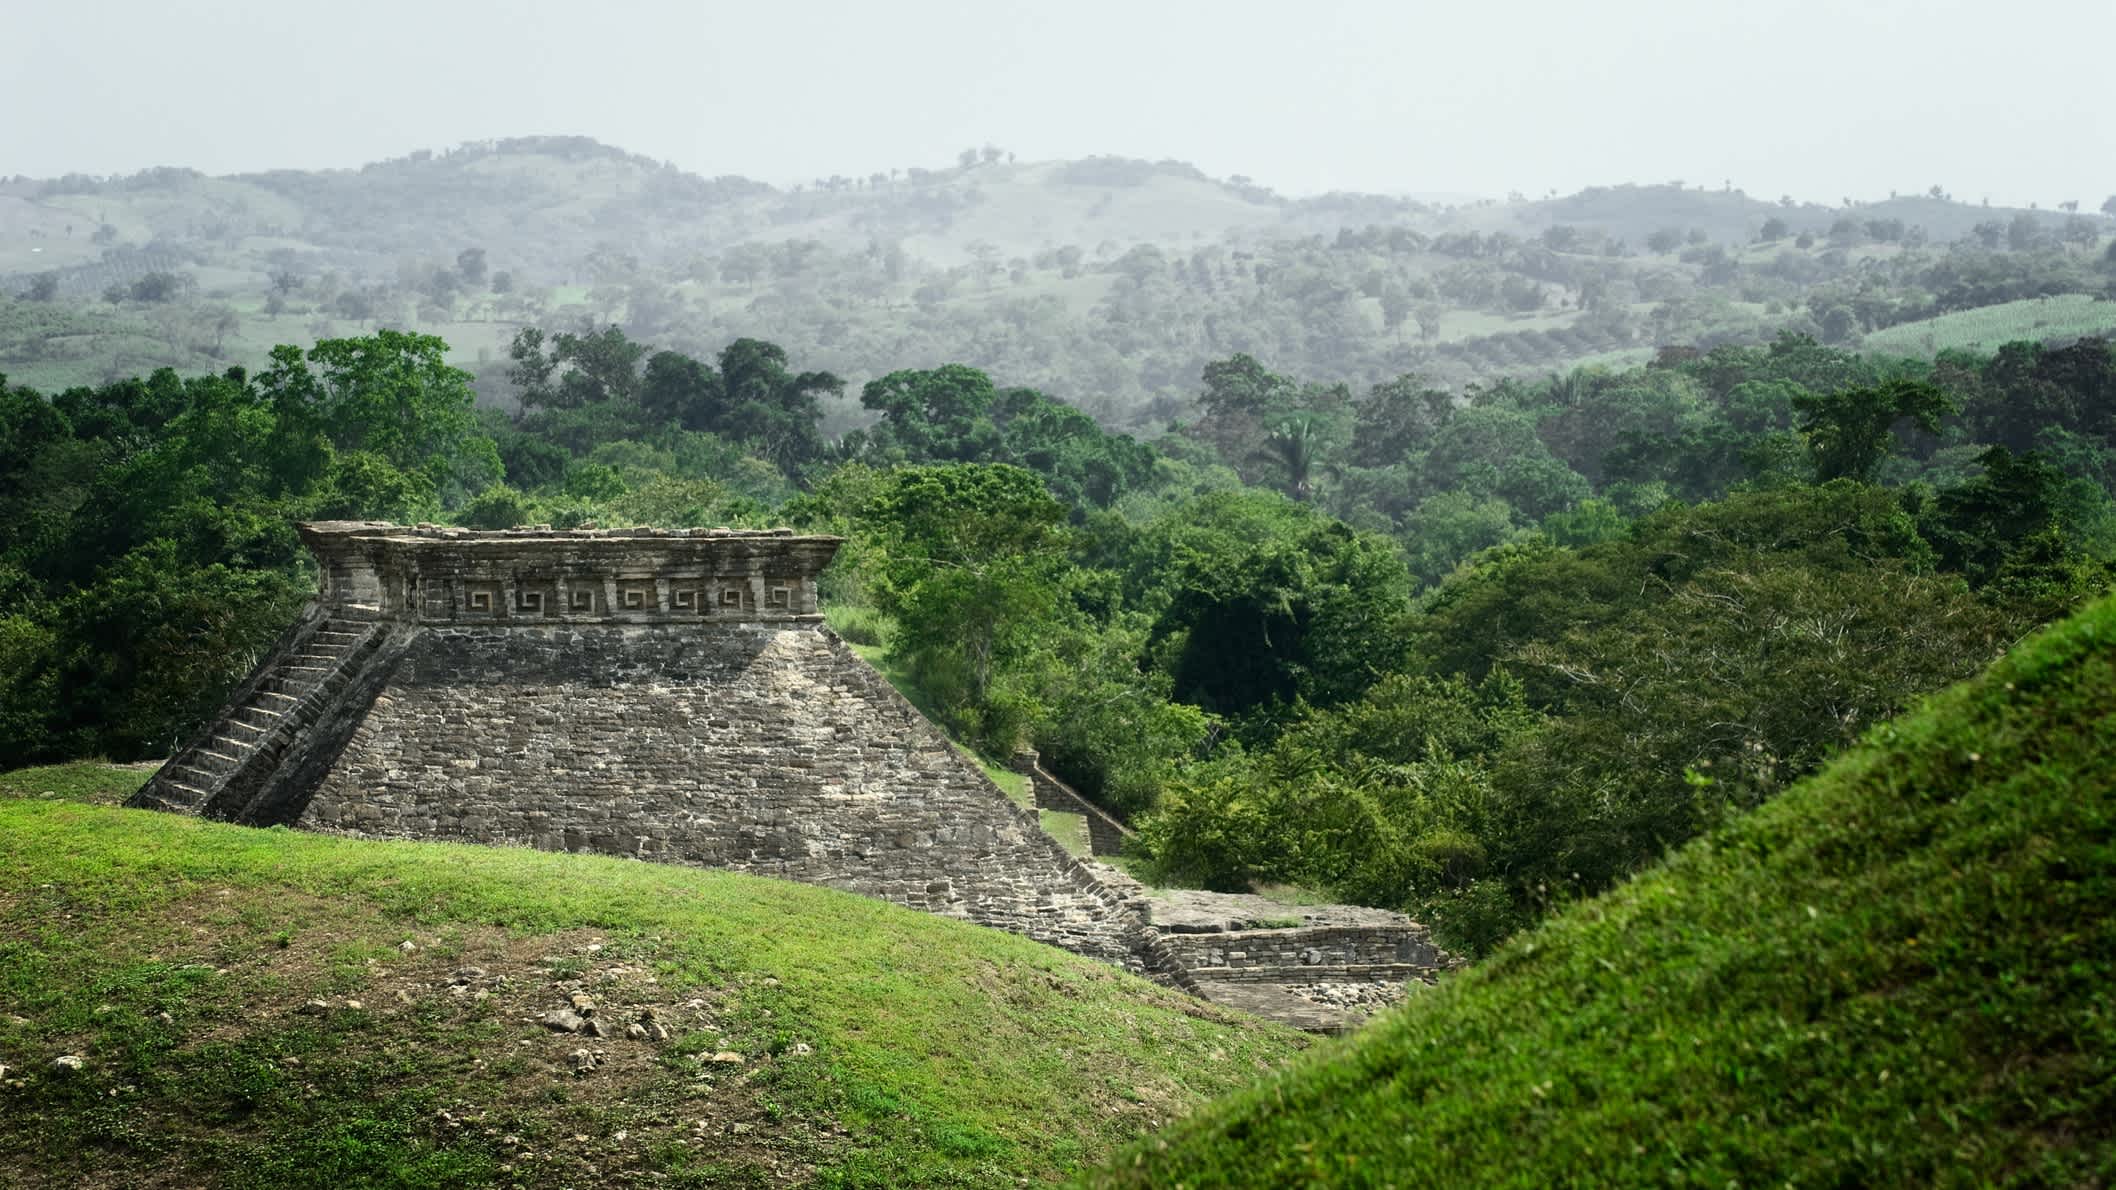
(1465, 560)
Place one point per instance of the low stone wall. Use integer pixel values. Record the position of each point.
(1105, 835)
(1321, 946)
(1395, 973)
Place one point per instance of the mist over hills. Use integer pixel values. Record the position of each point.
(540, 202)
(1105, 281)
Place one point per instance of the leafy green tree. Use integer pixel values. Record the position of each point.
(1491, 450)
(1839, 324)
(969, 635)
(679, 389)
(394, 395)
(1710, 700)
(955, 516)
(772, 407)
(1396, 307)
(363, 485)
(1396, 417)
(1263, 601)
(1850, 431)
(1241, 396)
(1081, 463)
(528, 461)
(575, 369)
(1448, 527)
(1529, 592)
(1383, 800)
(144, 653)
(1593, 522)
(938, 415)
(2015, 521)
(157, 286)
(497, 507)
(2025, 390)
(593, 481)
(1108, 726)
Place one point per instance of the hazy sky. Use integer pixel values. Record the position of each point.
(1817, 98)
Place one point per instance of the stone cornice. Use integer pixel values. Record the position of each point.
(542, 576)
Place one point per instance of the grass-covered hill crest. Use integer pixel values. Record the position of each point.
(186, 1004)
(1898, 973)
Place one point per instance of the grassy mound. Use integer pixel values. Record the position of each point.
(1901, 972)
(272, 1008)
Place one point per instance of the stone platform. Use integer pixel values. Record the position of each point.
(1323, 968)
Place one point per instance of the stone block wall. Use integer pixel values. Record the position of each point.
(758, 747)
(1105, 835)
(1315, 946)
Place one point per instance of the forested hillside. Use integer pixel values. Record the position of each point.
(1106, 282)
(1896, 974)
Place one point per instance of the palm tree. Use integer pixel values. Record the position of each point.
(1294, 447)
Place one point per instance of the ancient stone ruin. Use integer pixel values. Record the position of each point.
(669, 695)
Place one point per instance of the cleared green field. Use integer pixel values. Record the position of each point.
(1988, 328)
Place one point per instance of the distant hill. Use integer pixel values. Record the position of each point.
(1897, 973)
(539, 202)
(190, 1003)
(1106, 281)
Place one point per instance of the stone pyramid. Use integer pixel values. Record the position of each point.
(675, 696)
(669, 695)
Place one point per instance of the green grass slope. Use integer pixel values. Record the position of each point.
(1990, 327)
(269, 1008)
(1901, 972)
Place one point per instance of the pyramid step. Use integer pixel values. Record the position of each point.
(191, 777)
(206, 760)
(230, 746)
(278, 698)
(242, 733)
(256, 717)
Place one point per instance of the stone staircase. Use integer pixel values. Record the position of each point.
(1322, 968)
(1106, 835)
(219, 773)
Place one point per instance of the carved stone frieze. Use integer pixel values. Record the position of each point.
(543, 576)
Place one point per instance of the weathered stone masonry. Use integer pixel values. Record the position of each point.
(671, 696)
(674, 696)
